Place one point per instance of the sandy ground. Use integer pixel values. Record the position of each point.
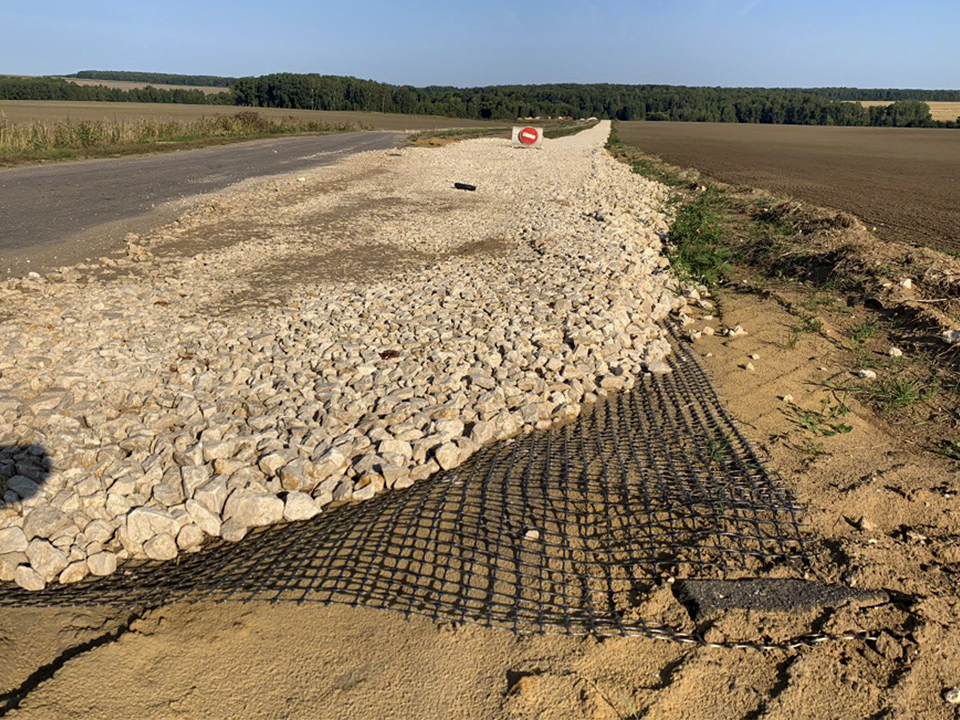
(904, 181)
(236, 660)
(883, 506)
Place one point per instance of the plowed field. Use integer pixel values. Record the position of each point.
(904, 181)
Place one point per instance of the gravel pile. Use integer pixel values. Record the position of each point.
(176, 399)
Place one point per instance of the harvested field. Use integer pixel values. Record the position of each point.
(938, 110)
(904, 181)
(17, 111)
(129, 85)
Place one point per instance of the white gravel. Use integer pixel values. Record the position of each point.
(198, 396)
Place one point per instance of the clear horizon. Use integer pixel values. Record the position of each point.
(703, 43)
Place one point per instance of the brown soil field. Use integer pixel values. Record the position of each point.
(129, 85)
(17, 111)
(903, 181)
(938, 110)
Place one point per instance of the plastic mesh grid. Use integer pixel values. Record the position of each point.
(553, 531)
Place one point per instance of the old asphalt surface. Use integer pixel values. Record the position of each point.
(64, 213)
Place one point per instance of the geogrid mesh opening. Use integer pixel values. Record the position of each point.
(558, 530)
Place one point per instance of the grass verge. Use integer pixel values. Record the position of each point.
(60, 140)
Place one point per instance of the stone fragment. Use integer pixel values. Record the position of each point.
(45, 521)
(28, 578)
(206, 520)
(190, 537)
(9, 563)
(212, 495)
(161, 547)
(299, 506)
(253, 509)
(365, 488)
(74, 572)
(46, 559)
(447, 455)
(233, 530)
(102, 563)
(145, 523)
(271, 464)
(23, 486)
(12, 539)
(297, 476)
(99, 531)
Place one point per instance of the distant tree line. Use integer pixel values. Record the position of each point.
(883, 94)
(42, 88)
(507, 102)
(622, 102)
(156, 78)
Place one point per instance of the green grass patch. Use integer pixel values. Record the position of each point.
(895, 393)
(867, 330)
(949, 448)
(825, 422)
(697, 245)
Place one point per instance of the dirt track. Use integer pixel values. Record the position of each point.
(904, 181)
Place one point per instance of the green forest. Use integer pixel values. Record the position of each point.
(817, 106)
(43, 88)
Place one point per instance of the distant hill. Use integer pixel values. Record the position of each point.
(155, 78)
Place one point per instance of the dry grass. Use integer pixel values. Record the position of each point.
(938, 110)
(129, 85)
(59, 139)
(19, 111)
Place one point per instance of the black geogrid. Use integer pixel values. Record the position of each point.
(553, 531)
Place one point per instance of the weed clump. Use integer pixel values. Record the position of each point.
(698, 250)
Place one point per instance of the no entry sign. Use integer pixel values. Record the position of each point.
(528, 136)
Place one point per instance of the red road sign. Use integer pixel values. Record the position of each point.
(529, 136)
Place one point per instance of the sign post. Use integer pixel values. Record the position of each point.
(527, 137)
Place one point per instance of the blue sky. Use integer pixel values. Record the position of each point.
(864, 43)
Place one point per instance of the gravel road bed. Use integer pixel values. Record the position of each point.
(341, 334)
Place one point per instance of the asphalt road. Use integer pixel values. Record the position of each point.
(64, 213)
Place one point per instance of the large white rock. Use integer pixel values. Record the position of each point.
(102, 563)
(161, 547)
(299, 506)
(253, 509)
(12, 539)
(145, 523)
(28, 578)
(46, 559)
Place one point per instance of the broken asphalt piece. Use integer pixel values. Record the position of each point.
(465, 186)
(704, 597)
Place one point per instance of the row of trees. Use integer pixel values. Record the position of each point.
(884, 94)
(156, 78)
(41, 88)
(507, 102)
(623, 102)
